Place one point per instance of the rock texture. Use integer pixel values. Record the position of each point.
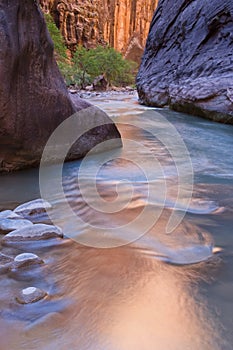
(30, 295)
(188, 59)
(34, 233)
(33, 96)
(122, 24)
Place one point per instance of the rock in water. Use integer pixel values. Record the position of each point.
(34, 100)
(8, 225)
(26, 260)
(34, 233)
(188, 59)
(30, 295)
(32, 208)
(9, 214)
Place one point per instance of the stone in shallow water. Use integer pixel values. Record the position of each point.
(32, 208)
(8, 225)
(30, 295)
(34, 233)
(27, 259)
(9, 214)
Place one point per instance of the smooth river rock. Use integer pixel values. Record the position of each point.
(188, 59)
(34, 233)
(33, 208)
(9, 214)
(26, 260)
(8, 225)
(30, 295)
(34, 99)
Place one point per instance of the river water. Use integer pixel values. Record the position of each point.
(121, 283)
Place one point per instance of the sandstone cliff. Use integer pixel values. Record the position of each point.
(33, 96)
(123, 24)
(189, 58)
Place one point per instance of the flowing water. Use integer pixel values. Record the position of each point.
(148, 267)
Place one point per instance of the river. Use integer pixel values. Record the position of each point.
(123, 283)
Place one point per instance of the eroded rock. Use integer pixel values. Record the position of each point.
(30, 295)
(188, 59)
(34, 233)
(91, 23)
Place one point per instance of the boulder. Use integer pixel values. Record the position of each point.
(33, 233)
(187, 63)
(34, 100)
(30, 295)
(100, 83)
(26, 260)
(8, 225)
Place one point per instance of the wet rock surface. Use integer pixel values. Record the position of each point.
(9, 214)
(34, 100)
(32, 209)
(188, 59)
(30, 295)
(26, 260)
(34, 233)
(8, 225)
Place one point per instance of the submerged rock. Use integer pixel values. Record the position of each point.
(26, 259)
(30, 295)
(8, 225)
(34, 100)
(34, 233)
(188, 59)
(32, 208)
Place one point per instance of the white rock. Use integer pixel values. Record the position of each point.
(32, 208)
(30, 295)
(9, 214)
(27, 259)
(34, 233)
(8, 225)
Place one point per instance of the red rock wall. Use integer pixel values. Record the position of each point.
(123, 24)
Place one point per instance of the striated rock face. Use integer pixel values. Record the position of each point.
(189, 58)
(123, 24)
(33, 96)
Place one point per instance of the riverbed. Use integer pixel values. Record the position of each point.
(128, 277)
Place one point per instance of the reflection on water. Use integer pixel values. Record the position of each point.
(146, 295)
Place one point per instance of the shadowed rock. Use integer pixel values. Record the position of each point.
(188, 59)
(33, 97)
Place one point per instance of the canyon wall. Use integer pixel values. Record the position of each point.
(123, 24)
(34, 100)
(188, 59)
